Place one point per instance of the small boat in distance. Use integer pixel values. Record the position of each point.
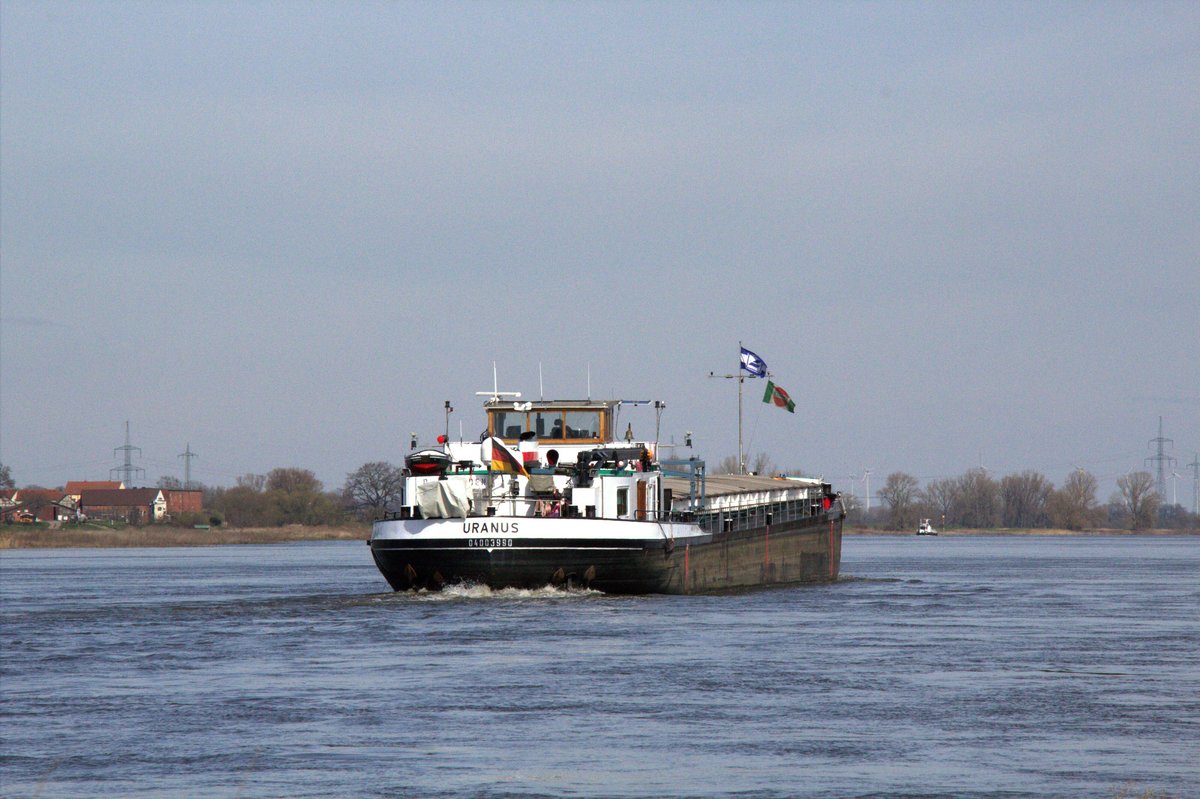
(925, 528)
(550, 494)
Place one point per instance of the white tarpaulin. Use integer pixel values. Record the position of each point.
(443, 499)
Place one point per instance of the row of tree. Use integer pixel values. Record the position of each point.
(973, 500)
(296, 496)
(1026, 500)
(287, 496)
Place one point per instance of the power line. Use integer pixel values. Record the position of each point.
(1162, 461)
(187, 456)
(128, 470)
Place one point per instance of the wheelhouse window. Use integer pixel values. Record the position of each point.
(546, 421)
(582, 424)
(622, 502)
(550, 425)
(508, 424)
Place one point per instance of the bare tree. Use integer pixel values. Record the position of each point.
(763, 464)
(373, 487)
(728, 465)
(1176, 517)
(978, 502)
(6, 478)
(243, 506)
(1023, 497)
(1073, 507)
(940, 496)
(297, 495)
(293, 481)
(1138, 499)
(900, 493)
(251, 481)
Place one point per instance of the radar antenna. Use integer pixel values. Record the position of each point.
(495, 394)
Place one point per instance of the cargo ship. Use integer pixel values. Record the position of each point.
(550, 495)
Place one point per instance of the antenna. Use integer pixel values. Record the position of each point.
(187, 456)
(495, 394)
(659, 407)
(541, 389)
(1162, 461)
(128, 469)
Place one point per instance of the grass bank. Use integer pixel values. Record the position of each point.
(1036, 531)
(42, 538)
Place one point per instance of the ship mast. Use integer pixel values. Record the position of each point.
(741, 378)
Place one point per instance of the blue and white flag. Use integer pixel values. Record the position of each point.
(753, 364)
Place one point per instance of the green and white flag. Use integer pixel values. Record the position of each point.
(780, 397)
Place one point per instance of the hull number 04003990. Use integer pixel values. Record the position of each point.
(489, 543)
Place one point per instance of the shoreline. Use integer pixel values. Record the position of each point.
(75, 538)
(42, 538)
(1036, 531)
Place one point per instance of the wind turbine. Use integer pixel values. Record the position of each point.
(851, 479)
(867, 479)
(1174, 485)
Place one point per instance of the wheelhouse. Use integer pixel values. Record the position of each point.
(553, 422)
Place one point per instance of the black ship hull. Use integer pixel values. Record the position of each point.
(800, 551)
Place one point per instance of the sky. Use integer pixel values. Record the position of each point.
(960, 234)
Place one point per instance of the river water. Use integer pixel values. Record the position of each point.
(948, 667)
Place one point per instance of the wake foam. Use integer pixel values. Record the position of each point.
(466, 591)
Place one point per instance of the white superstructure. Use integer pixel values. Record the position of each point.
(551, 477)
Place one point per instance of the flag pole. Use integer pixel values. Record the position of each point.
(741, 380)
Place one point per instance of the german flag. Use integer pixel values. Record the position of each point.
(502, 460)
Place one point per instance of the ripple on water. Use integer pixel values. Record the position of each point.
(991, 668)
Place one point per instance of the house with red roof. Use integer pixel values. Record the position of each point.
(35, 504)
(74, 488)
(132, 505)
